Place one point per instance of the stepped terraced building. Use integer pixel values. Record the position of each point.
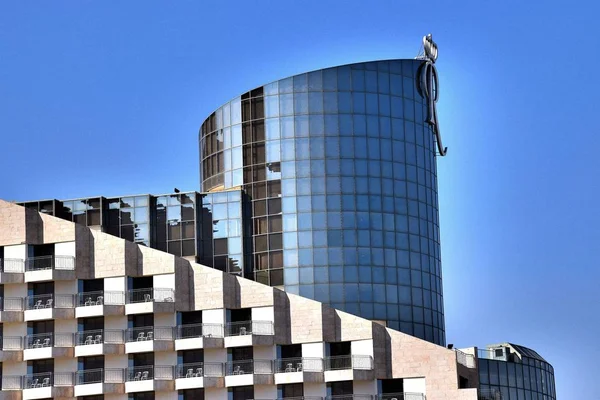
(307, 267)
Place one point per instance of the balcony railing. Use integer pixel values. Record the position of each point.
(249, 367)
(249, 328)
(11, 303)
(100, 298)
(11, 343)
(39, 302)
(99, 336)
(110, 375)
(491, 354)
(144, 373)
(12, 265)
(90, 299)
(348, 362)
(402, 396)
(200, 370)
(350, 397)
(50, 262)
(39, 340)
(64, 339)
(42, 301)
(47, 379)
(12, 382)
(199, 330)
(298, 364)
(149, 333)
(468, 360)
(158, 295)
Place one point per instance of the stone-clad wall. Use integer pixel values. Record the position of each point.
(297, 319)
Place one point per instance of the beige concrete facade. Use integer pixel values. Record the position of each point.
(278, 318)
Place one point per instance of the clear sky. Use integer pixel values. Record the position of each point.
(106, 97)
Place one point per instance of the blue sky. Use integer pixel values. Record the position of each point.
(106, 97)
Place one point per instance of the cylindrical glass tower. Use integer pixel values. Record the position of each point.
(339, 166)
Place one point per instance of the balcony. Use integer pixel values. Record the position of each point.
(98, 304)
(49, 268)
(199, 375)
(48, 345)
(199, 336)
(12, 270)
(98, 342)
(299, 370)
(150, 300)
(149, 338)
(249, 372)
(99, 381)
(12, 348)
(148, 378)
(12, 387)
(47, 385)
(48, 306)
(249, 333)
(11, 309)
(402, 396)
(464, 359)
(349, 368)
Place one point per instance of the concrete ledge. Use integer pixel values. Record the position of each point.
(10, 355)
(11, 395)
(10, 277)
(12, 316)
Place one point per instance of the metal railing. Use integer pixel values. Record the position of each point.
(42, 301)
(142, 334)
(199, 370)
(402, 396)
(109, 298)
(99, 336)
(39, 340)
(12, 265)
(64, 301)
(199, 330)
(12, 382)
(468, 360)
(47, 379)
(490, 354)
(249, 328)
(64, 339)
(245, 367)
(39, 302)
(350, 397)
(299, 364)
(158, 295)
(11, 343)
(87, 299)
(50, 262)
(110, 375)
(348, 362)
(157, 372)
(11, 303)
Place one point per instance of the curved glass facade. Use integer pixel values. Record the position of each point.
(529, 379)
(339, 168)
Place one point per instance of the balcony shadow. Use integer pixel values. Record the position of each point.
(85, 255)
(331, 323)
(34, 227)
